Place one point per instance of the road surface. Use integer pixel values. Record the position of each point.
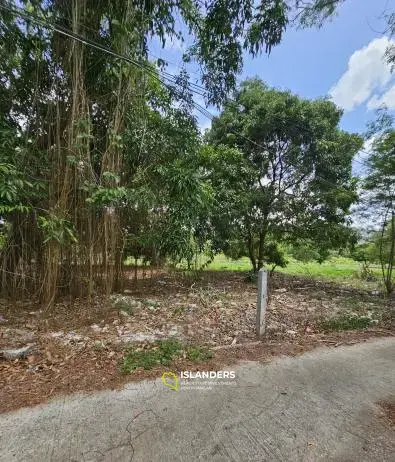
(321, 406)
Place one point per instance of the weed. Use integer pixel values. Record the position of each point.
(122, 303)
(179, 310)
(344, 322)
(151, 303)
(163, 353)
(170, 348)
(99, 345)
(198, 354)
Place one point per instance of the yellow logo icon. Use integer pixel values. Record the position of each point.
(170, 379)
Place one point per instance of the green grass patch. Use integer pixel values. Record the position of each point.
(344, 322)
(198, 354)
(162, 353)
(335, 269)
(222, 263)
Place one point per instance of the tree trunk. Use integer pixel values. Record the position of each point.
(387, 266)
(389, 282)
(261, 250)
(251, 253)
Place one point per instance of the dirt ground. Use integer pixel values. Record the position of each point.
(389, 411)
(78, 346)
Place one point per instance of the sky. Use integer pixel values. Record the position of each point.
(343, 60)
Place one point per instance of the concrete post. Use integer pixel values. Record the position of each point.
(262, 302)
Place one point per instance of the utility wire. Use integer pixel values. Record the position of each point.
(70, 34)
(192, 87)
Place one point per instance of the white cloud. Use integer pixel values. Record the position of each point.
(367, 73)
(387, 99)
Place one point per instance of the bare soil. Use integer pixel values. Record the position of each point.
(388, 408)
(78, 346)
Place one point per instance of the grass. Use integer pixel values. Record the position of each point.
(162, 353)
(344, 322)
(198, 354)
(334, 269)
(221, 263)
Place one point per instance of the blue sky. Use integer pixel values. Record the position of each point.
(343, 59)
(310, 62)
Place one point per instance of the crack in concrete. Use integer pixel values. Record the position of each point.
(129, 430)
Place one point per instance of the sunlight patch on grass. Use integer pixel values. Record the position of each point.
(334, 269)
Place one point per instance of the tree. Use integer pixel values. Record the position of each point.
(167, 190)
(94, 131)
(77, 94)
(281, 171)
(380, 187)
(314, 12)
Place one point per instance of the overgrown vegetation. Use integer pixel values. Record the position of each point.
(98, 156)
(162, 353)
(102, 162)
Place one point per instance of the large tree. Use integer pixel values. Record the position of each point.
(281, 169)
(379, 194)
(81, 118)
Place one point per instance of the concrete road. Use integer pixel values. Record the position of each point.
(321, 406)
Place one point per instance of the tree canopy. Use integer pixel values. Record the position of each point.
(101, 158)
(281, 169)
(99, 148)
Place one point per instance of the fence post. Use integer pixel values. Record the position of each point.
(261, 303)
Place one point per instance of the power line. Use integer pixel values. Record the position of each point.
(68, 33)
(166, 75)
(72, 35)
(86, 41)
(194, 88)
